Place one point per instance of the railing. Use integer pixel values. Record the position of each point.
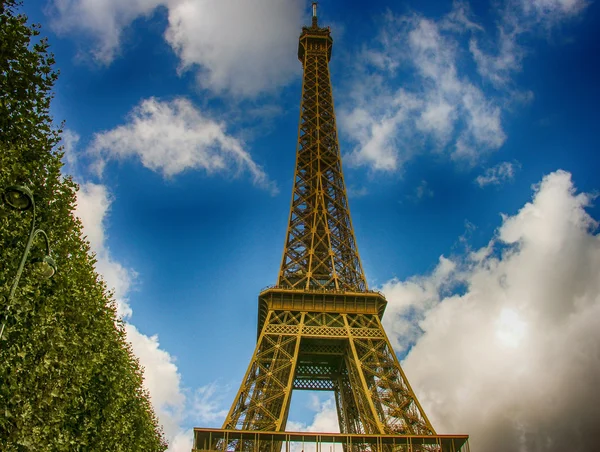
(335, 291)
(220, 440)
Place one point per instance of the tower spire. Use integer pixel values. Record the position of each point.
(320, 251)
(314, 15)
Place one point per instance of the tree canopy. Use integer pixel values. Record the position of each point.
(68, 378)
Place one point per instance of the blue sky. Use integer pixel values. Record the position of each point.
(468, 131)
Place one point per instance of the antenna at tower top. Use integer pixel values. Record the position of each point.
(314, 16)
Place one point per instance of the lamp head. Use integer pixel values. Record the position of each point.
(18, 197)
(45, 266)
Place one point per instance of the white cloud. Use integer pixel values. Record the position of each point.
(498, 174)
(210, 402)
(175, 411)
(499, 67)
(182, 442)
(104, 20)
(438, 118)
(552, 11)
(161, 376)
(484, 128)
(518, 18)
(357, 192)
(513, 361)
(236, 43)
(377, 129)
(459, 19)
(93, 204)
(171, 137)
(440, 104)
(409, 300)
(232, 43)
(434, 55)
(70, 139)
(324, 418)
(444, 107)
(421, 191)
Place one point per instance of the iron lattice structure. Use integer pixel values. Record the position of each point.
(320, 249)
(320, 327)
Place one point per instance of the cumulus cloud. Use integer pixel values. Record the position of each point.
(235, 44)
(410, 299)
(232, 44)
(173, 136)
(507, 339)
(444, 107)
(498, 174)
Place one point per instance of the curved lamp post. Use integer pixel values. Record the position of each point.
(21, 198)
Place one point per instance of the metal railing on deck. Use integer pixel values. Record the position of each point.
(315, 290)
(206, 440)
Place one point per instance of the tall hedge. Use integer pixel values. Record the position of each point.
(68, 378)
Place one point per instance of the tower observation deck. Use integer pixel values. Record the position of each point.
(319, 327)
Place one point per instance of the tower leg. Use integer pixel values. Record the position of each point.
(262, 402)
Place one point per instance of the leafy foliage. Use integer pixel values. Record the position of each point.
(68, 379)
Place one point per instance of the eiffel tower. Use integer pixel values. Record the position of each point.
(319, 327)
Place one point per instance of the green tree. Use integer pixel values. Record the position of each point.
(68, 378)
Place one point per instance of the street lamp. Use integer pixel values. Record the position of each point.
(21, 198)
